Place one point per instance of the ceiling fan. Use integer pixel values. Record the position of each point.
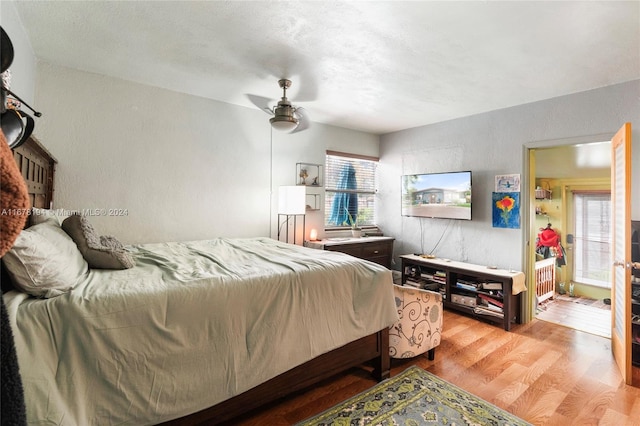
(286, 117)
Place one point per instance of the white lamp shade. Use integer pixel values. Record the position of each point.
(292, 200)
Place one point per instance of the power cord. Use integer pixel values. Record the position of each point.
(437, 242)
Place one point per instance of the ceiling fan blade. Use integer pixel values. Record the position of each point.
(261, 102)
(308, 90)
(303, 120)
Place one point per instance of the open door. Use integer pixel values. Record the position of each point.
(621, 273)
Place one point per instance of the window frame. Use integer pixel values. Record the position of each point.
(578, 242)
(374, 192)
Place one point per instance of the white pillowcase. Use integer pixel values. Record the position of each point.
(38, 216)
(44, 261)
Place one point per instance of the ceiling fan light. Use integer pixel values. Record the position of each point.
(284, 123)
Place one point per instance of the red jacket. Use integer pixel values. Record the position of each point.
(549, 238)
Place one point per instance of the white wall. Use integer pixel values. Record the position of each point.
(183, 167)
(490, 144)
(23, 67)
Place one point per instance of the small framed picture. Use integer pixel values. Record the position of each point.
(507, 183)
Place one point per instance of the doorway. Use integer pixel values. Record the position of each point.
(562, 173)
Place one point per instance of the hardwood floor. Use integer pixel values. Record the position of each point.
(544, 373)
(591, 316)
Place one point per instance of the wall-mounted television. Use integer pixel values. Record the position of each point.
(437, 195)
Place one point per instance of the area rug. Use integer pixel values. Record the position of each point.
(596, 303)
(414, 397)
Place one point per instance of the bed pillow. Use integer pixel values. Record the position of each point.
(38, 216)
(99, 255)
(44, 261)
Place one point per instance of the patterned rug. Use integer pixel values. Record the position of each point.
(414, 397)
(596, 303)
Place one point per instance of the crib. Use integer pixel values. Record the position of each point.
(545, 279)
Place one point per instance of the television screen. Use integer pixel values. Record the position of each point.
(437, 195)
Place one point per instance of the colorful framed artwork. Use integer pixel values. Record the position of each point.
(506, 210)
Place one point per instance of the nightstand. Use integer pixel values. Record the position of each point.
(375, 249)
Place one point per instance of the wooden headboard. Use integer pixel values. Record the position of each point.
(37, 166)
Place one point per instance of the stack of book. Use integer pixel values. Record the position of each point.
(467, 285)
(491, 286)
(425, 279)
(490, 306)
(413, 282)
(485, 310)
(438, 276)
(412, 277)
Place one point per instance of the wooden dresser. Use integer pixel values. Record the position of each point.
(375, 249)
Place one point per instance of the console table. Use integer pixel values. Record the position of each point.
(484, 292)
(375, 249)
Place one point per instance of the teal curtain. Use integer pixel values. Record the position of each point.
(346, 201)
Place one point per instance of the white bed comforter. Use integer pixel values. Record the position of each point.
(191, 325)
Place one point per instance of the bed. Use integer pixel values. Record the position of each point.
(198, 332)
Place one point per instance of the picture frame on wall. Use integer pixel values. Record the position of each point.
(507, 183)
(506, 210)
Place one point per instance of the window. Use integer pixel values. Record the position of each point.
(350, 189)
(592, 243)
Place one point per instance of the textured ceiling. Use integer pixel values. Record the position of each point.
(372, 66)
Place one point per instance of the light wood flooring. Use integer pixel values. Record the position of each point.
(591, 316)
(544, 373)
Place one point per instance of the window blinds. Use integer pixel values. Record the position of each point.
(365, 187)
(592, 244)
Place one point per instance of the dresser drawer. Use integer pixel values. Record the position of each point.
(376, 249)
(380, 260)
(352, 249)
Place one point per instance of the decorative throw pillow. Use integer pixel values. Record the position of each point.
(96, 253)
(44, 261)
(111, 242)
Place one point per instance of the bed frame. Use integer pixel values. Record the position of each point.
(38, 166)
